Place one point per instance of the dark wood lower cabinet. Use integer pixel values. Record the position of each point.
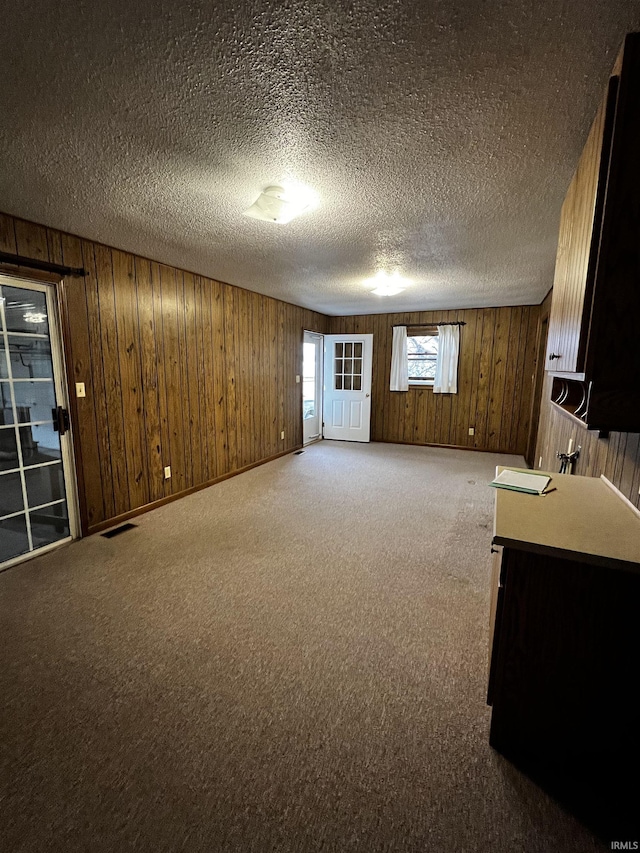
(563, 683)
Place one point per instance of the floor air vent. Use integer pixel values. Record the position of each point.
(298, 452)
(118, 530)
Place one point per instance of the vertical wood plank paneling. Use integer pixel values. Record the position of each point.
(465, 387)
(180, 370)
(114, 403)
(222, 427)
(282, 371)
(191, 382)
(509, 419)
(82, 369)
(174, 395)
(274, 375)
(148, 340)
(96, 384)
(475, 379)
(230, 362)
(533, 350)
(498, 374)
(163, 406)
(205, 387)
(183, 362)
(64, 249)
(265, 356)
(484, 378)
(126, 312)
(8, 234)
(31, 240)
(492, 398)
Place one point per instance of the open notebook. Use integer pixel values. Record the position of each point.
(533, 484)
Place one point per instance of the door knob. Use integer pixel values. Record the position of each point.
(366, 395)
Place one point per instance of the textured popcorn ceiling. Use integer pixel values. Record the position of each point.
(441, 136)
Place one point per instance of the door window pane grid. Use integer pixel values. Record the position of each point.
(30, 358)
(348, 365)
(33, 506)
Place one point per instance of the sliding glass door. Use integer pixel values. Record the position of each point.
(37, 505)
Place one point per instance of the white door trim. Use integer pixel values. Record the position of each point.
(347, 410)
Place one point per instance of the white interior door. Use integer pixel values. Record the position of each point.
(311, 387)
(347, 386)
(37, 486)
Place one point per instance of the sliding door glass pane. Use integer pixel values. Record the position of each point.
(34, 400)
(13, 537)
(45, 484)
(10, 494)
(30, 357)
(25, 311)
(8, 449)
(49, 524)
(39, 444)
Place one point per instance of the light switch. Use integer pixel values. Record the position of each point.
(167, 472)
(297, 378)
(80, 390)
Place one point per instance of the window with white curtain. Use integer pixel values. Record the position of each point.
(422, 356)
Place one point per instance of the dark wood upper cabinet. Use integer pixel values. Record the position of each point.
(593, 329)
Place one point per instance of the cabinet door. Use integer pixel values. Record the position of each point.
(578, 244)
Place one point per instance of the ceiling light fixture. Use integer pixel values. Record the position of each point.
(388, 284)
(34, 317)
(282, 203)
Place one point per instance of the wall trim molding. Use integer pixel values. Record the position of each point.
(118, 519)
(447, 446)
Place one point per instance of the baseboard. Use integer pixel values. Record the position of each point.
(447, 446)
(132, 513)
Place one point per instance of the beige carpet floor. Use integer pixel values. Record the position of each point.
(292, 660)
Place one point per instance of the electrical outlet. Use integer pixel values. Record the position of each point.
(540, 462)
(282, 435)
(472, 431)
(80, 389)
(167, 472)
(297, 378)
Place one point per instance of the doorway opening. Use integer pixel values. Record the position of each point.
(37, 481)
(312, 350)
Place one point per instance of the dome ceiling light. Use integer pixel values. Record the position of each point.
(387, 284)
(282, 203)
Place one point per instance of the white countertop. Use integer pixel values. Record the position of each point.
(583, 518)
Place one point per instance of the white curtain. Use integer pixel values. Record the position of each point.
(446, 380)
(399, 360)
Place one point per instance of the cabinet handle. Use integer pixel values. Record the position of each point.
(554, 355)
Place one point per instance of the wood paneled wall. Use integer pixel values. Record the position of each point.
(180, 370)
(617, 457)
(498, 350)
